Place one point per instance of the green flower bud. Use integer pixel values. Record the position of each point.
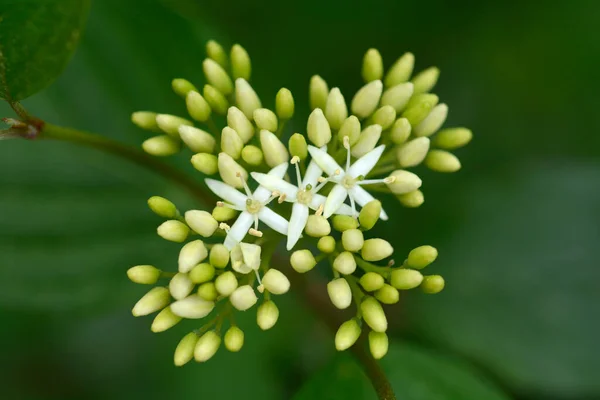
(405, 279)
(229, 170)
(243, 298)
(419, 107)
(442, 161)
(170, 124)
(336, 110)
(350, 128)
(143, 274)
(156, 299)
(231, 143)
(238, 121)
(421, 257)
(318, 129)
(207, 346)
(369, 215)
(366, 141)
(197, 140)
(240, 62)
(246, 98)
(318, 92)
(197, 106)
(162, 207)
(182, 86)
(219, 256)
(401, 70)
(326, 244)
(226, 283)
(344, 263)
(201, 222)
(376, 250)
(145, 119)
(192, 307)
(265, 119)
(413, 153)
(371, 281)
(185, 349)
(452, 138)
(347, 335)
(384, 116)
(432, 284)
(267, 315)
(284, 104)
(208, 291)
(215, 99)
(404, 182)
(252, 155)
(365, 101)
(274, 151)
(425, 80)
(398, 96)
(378, 344)
(302, 261)
(342, 223)
(352, 240)
(173, 231)
(317, 226)
(372, 67)
(217, 77)
(400, 131)
(202, 273)
(215, 51)
(412, 199)
(223, 214)
(298, 146)
(234, 339)
(205, 163)
(433, 121)
(161, 146)
(276, 282)
(190, 255)
(340, 293)
(164, 320)
(373, 314)
(387, 294)
(180, 286)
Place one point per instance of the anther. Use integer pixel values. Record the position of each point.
(282, 198)
(255, 232)
(389, 179)
(224, 226)
(295, 160)
(319, 211)
(346, 142)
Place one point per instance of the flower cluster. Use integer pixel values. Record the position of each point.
(267, 190)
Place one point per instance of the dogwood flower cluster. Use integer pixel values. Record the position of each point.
(272, 185)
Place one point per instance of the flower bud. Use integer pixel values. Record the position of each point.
(352, 240)
(265, 119)
(182, 86)
(400, 131)
(340, 293)
(215, 99)
(161, 146)
(452, 138)
(246, 98)
(384, 116)
(371, 281)
(219, 256)
(317, 226)
(222, 214)
(372, 67)
(412, 199)
(317, 128)
(185, 349)
(207, 346)
(231, 143)
(302, 261)
(412, 153)
(228, 169)
(238, 121)
(197, 140)
(284, 104)
(274, 151)
(387, 294)
(252, 155)
(276, 282)
(191, 255)
(442, 161)
(208, 291)
(205, 163)
(422, 256)
(170, 124)
(398, 96)
(351, 128)
(144, 119)
(180, 286)
(234, 339)
(297, 146)
(401, 70)
(376, 250)
(419, 107)
(336, 110)
(173, 231)
(366, 141)
(215, 51)
(373, 314)
(378, 344)
(326, 244)
(342, 223)
(344, 263)
(143, 274)
(347, 335)
(432, 284)
(365, 101)
(243, 298)
(318, 92)
(156, 299)
(226, 283)
(245, 258)
(404, 182)
(369, 215)
(240, 62)
(164, 320)
(217, 77)
(163, 207)
(192, 307)
(267, 315)
(405, 279)
(202, 273)
(425, 80)
(433, 121)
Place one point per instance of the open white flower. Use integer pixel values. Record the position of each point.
(252, 206)
(349, 181)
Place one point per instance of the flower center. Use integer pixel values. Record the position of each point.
(304, 196)
(253, 206)
(348, 182)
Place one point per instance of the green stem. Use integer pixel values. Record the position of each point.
(368, 267)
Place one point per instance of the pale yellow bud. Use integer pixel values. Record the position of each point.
(376, 250)
(452, 138)
(185, 349)
(317, 226)
(398, 96)
(284, 104)
(215, 51)
(162, 207)
(378, 344)
(401, 70)
(265, 119)
(234, 339)
(240, 62)
(344, 263)
(425, 80)
(298, 147)
(246, 98)
(192, 307)
(170, 124)
(164, 320)
(238, 121)
(318, 92)
(226, 283)
(223, 214)
(326, 244)
(421, 257)
(366, 141)
(369, 215)
(365, 101)
(352, 240)
(336, 110)
(173, 231)
(144, 119)
(267, 315)
(252, 155)
(404, 182)
(197, 140)
(412, 153)
(156, 299)
(317, 128)
(202, 273)
(371, 281)
(433, 121)
(219, 256)
(347, 334)
(143, 274)
(182, 86)
(180, 286)
(419, 107)
(217, 77)
(207, 346)
(161, 146)
(274, 151)
(205, 163)
(229, 170)
(191, 255)
(340, 293)
(406, 279)
(302, 261)
(208, 291)
(350, 128)
(400, 131)
(387, 294)
(372, 67)
(384, 116)
(231, 143)
(373, 314)
(276, 282)
(215, 99)
(243, 298)
(442, 161)
(342, 223)
(412, 199)
(432, 284)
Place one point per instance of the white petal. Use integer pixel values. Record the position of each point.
(318, 199)
(227, 193)
(313, 172)
(274, 220)
(297, 224)
(365, 164)
(362, 197)
(324, 160)
(279, 171)
(239, 229)
(335, 199)
(274, 183)
(262, 194)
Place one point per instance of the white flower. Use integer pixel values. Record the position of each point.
(253, 207)
(349, 181)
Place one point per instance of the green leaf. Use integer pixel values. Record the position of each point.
(414, 372)
(37, 39)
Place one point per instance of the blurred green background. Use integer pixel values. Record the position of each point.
(517, 228)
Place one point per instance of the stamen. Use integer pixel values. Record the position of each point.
(244, 184)
(256, 222)
(224, 226)
(282, 198)
(322, 179)
(376, 181)
(319, 211)
(298, 175)
(295, 160)
(227, 205)
(255, 233)
(391, 263)
(346, 141)
(353, 205)
(260, 287)
(220, 204)
(389, 179)
(347, 146)
(337, 172)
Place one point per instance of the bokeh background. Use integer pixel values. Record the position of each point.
(517, 229)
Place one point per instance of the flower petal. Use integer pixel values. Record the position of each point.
(273, 220)
(239, 229)
(319, 199)
(362, 197)
(324, 160)
(227, 193)
(262, 193)
(297, 224)
(274, 183)
(313, 172)
(335, 199)
(365, 164)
